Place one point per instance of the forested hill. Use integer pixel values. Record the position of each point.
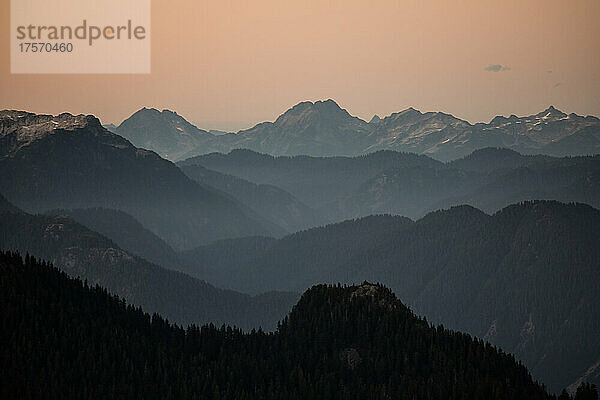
(525, 278)
(63, 338)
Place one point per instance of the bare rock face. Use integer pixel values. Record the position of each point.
(381, 295)
(19, 129)
(366, 289)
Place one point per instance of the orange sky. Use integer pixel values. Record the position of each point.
(230, 64)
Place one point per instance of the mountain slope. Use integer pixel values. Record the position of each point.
(406, 184)
(268, 201)
(321, 128)
(569, 179)
(316, 181)
(53, 162)
(6, 206)
(585, 141)
(346, 343)
(494, 159)
(524, 278)
(83, 253)
(164, 132)
(126, 232)
(297, 260)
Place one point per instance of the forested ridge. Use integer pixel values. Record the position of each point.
(524, 278)
(62, 337)
(84, 253)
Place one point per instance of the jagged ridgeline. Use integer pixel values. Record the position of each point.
(323, 128)
(61, 337)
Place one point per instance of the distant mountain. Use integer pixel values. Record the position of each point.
(415, 132)
(492, 159)
(251, 264)
(70, 162)
(389, 182)
(110, 127)
(570, 179)
(524, 278)
(83, 253)
(316, 181)
(220, 261)
(126, 232)
(445, 137)
(269, 201)
(584, 141)
(338, 342)
(323, 128)
(164, 132)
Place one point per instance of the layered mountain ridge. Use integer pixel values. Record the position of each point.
(86, 254)
(323, 128)
(69, 162)
(524, 278)
(389, 182)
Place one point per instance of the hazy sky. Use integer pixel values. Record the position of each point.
(230, 64)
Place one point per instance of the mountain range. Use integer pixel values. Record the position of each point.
(519, 275)
(388, 182)
(269, 201)
(524, 278)
(323, 128)
(86, 254)
(69, 162)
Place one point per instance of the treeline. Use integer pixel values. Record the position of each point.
(63, 338)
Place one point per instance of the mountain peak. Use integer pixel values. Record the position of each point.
(328, 104)
(550, 113)
(152, 112)
(166, 132)
(146, 111)
(327, 297)
(381, 294)
(410, 110)
(408, 114)
(307, 110)
(29, 127)
(375, 119)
